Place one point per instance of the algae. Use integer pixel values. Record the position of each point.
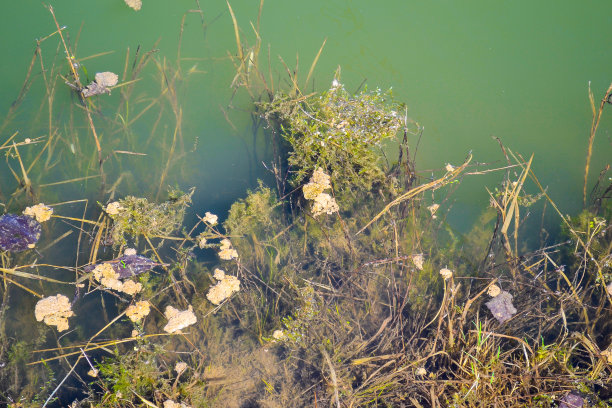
(136, 217)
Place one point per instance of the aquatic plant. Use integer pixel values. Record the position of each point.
(136, 217)
(257, 213)
(338, 132)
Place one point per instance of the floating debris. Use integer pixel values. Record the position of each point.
(94, 89)
(113, 208)
(178, 320)
(108, 276)
(226, 251)
(421, 372)
(129, 251)
(446, 273)
(131, 288)
(18, 232)
(201, 241)
(324, 203)
(172, 404)
(100, 85)
(54, 311)
(210, 218)
(279, 335)
(501, 306)
(226, 286)
(134, 4)
(319, 182)
(572, 400)
(432, 209)
(493, 290)
(418, 260)
(180, 367)
(137, 312)
(40, 211)
(128, 265)
(313, 190)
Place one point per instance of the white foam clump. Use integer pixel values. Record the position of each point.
(178, 319)
(54, 311)
(40, 211)
(226, 286)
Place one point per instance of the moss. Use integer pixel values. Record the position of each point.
(140, 217)
(125, 373)
(253, 215)
(296, 326)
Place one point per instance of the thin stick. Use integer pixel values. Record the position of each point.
(71, 63)
(314, 63)
(7, 279)
(448, 177)
(332, 374)
(31, 276)
(68, 181)
(236, 33)
(171, 153)
(26, 180)
(594, 126)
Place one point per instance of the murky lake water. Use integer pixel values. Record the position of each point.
(467, 71)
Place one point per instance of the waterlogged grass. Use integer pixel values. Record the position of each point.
(348, 286)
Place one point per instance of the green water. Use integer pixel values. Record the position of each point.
(467, 71)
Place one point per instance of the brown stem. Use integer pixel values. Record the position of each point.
(594, 125)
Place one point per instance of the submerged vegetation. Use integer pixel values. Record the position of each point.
(335, 282)
(338, 132)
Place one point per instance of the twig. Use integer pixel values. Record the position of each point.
(594, 125)
(433, 185)
(332, 374)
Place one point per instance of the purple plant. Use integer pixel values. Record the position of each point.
(501, 306)
(572, 400)
(128, 265)
(18, 232)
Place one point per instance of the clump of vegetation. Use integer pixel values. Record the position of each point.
(337, 131)
(256, 214)
(124, 374)
(136, 216)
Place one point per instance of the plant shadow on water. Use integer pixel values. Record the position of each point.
(335, 282)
